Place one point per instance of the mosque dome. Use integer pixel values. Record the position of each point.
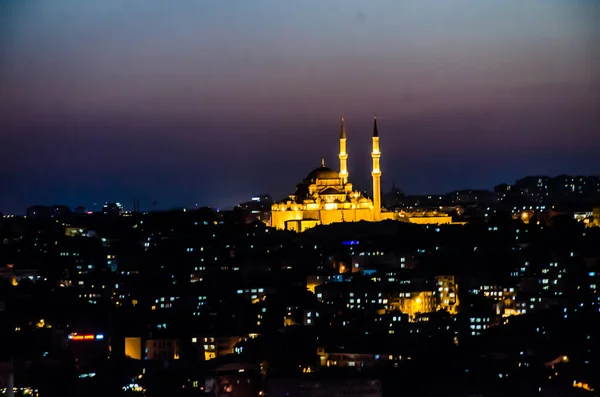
(322, 173)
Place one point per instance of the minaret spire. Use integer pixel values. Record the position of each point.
(375, 131)
(343, 156)
(322, 161)
(375, 155)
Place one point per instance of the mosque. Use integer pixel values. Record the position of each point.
(326, 196)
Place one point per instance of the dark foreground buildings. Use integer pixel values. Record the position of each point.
(194, 303)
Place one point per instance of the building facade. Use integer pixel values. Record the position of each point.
(162, 349)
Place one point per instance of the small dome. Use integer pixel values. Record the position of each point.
(322, 173)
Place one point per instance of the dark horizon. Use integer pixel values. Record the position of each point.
(477, 172)
(153, 205)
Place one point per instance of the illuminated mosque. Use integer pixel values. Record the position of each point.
(326, 196)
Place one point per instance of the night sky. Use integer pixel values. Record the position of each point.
(211, 102)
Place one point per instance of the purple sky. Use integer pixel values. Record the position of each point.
(210, 101)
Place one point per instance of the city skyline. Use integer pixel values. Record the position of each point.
(360, 172)
(528, 191)
(204, 198)
(210, 103)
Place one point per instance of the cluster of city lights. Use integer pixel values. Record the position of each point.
(25, 391)
(134, 387)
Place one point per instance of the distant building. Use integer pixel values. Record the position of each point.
(473, 197)
(41, 211)
(409, 299)
(394, 198)
(162, 349)
(570, 187)
(15, 276)
(326, 196)
(424, 217)
(596, 217)
(87, 348)
(232, 380)
(448, 293)
(257, 209)
(540, 190)
(79, 232)
(313, 281)
(535, 188)
(364, 260)
(362, 356)
(331, 356)
(478, 324)
(502, 191)
(478, 317)
(112, 209)
(133, 348)
(213, 346)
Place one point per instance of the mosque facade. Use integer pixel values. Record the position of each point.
(326, 196)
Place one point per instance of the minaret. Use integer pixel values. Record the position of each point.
(343, 155)
(376, 174)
